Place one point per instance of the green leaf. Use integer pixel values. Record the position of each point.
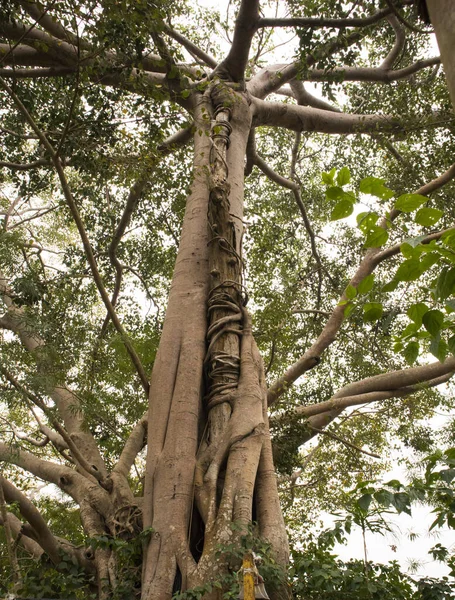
(451, 344)
(351, 292)
(365, 501)
(432, 321)
(376, 237)
(328, 177)
(409, 251)
(383, 497)
(428, 216)
(409, 270)
(411, 352)
(428, 260)
(402, 502)
(438, 347)
(375, 187)
(372, 311)
(445, 285)
(343, 209)
(348, 310)
(390, 286)
(416, 311)
(366, 221)
(334, 193)
(409, 202)
(344, 176)
(366, 284)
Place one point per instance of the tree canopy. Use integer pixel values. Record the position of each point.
(181, 188)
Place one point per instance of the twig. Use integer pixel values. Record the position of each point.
(343, 441)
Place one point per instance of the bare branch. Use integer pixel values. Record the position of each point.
(336, 437)
(43, 535)
(423, 378)
(8, 533)
(90, 469)
(20, 532)
(316, 22)
(295, 188)
(372, 74)
(50, 24)
(192, 48)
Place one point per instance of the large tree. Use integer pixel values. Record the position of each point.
(129, 130)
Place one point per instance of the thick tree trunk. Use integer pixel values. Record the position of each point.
(209, 461)
(442, 15)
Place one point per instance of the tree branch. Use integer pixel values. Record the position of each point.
(90, 469)
(234, 65)
(85, 241)
(316, 22)
(31, 514)
(332, 435)
(303, 118)
(21, 535)
(371, 74)
(400, 40)
(311, 357)
(192, 48)
(135, 443)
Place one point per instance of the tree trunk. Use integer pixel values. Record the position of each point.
(209, 461)
(442, 15)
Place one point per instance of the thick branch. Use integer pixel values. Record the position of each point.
(400, 40)
(21, 536)
(31, 514)
(133, 446)
(303, 118)
(234, 65)
(372, 74)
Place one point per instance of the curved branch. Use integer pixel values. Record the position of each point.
(372, 74)
(400, 40)
(311, 357)
(192, 48)
(90, 469)
(50, 24)
(23, 536)
(46, 470)
(31, 514)
(295, 188)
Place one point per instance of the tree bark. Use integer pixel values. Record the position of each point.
(442, 15)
